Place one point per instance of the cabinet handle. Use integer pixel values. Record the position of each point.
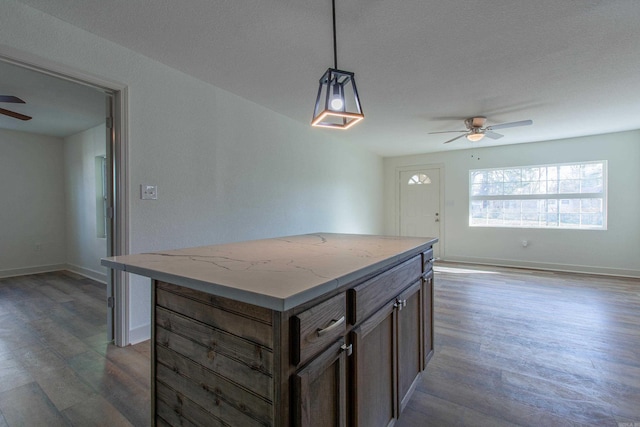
(331, 327)
(347, 348)
(400, 303)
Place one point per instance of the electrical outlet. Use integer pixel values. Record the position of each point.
(148, 192)
(38, 247)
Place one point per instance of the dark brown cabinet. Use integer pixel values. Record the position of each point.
(346, 357)
(409, 342)
(320, 389)
(373, 369)
(390, 337)
(387, 359)
(427, 312)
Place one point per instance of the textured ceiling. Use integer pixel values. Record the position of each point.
(421, 65)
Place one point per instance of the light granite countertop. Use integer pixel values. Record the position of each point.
(278, 273)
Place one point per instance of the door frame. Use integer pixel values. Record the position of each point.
(119, 191)
(396, 222)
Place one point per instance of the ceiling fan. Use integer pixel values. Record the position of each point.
(476, 131)
(13, 100)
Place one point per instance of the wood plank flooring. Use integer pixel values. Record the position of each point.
(56, 367)
(518, 347)
(513, 348)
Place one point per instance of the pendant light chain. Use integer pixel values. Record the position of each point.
(335, 43)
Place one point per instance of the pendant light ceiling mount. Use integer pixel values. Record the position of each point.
(338, 104)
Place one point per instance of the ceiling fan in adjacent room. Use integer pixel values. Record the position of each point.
(12, 100)
(476, 131)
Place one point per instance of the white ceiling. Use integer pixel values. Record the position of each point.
(58, 107)
(572, 66)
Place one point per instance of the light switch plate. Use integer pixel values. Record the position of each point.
(148, 192)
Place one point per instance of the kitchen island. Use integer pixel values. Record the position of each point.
(317, 329)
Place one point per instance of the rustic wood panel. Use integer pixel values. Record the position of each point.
(217, 395)
(174, 409)
(282, 385)
(179, 389)
(214, 383)
(254, 356)
(232, 369)
(246, 310)
(305, 326)
(236, 324)
(367, 297)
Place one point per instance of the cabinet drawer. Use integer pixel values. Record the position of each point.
(314, 329)
(372, 294)
(427, 260)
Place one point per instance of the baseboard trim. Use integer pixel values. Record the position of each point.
(139, 334)
(13, 272)
(87, 272)
(567, 268)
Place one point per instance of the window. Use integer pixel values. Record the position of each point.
(419, 179)
(569, 195)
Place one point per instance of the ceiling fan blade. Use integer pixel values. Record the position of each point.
(510, 125)
(448, 131)
(492, 135)
(11, 99)
(14, 114)
(451, 140)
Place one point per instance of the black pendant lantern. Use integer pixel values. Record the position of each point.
(337, 105)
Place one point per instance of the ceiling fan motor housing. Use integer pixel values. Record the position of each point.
(475, 122)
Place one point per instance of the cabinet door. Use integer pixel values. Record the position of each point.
(410, 336)
(427, 322)
(320, 390)
(374, 367)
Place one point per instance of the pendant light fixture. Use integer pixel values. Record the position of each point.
(337, 104)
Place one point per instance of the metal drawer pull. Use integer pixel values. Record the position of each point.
(331, 327)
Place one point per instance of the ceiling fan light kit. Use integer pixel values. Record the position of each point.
(476, 131)
(337, 104)
(475, 136)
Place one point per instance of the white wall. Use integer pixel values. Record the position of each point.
(614, 251)
(84, 248)
(32, 226)
(226, 169)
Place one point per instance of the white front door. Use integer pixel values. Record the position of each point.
(420, 204)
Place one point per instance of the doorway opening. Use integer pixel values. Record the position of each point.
(84, 116)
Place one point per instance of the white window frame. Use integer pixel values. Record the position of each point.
(546, 196)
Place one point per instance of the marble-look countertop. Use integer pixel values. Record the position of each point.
(278, 273)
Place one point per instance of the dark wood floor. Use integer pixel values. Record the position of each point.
(518, 347)
(513, 348)
(56, 367)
